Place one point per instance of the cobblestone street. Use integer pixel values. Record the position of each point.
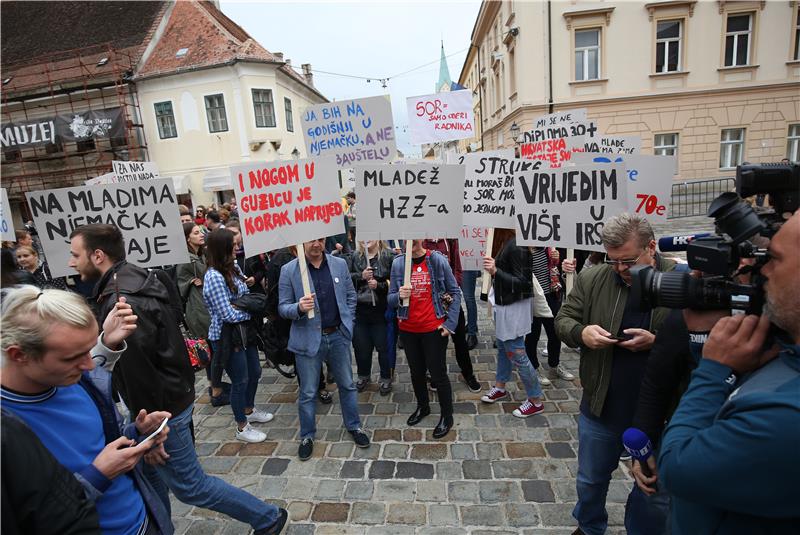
(493, 473)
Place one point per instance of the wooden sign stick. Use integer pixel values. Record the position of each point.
(487, 279)
(570, 276)
(407, 268)
(301, 259)
(366, 256)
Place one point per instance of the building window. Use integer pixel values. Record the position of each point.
(796, 55)
(263, 108)
(668, 46)
(737, 40)
(54, 148)
(512, 71)
(215, 113)
(165, 119)
(85, 146)
(587, 54)
(731, 148)
(287, 107)
(665, 145)
(793, 143)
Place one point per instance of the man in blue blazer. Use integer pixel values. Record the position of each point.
(325, 337)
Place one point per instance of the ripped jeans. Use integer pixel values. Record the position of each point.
(512, 352)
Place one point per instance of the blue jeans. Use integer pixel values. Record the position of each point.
(369, 334)
(335, 349)
(183, 475)
(512, 352)
(468, 279)
(244, 369)
(599, 448)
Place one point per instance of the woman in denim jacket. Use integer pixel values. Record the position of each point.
(430, 317)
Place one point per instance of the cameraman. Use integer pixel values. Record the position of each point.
(728, 457)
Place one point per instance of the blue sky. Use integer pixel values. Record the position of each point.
(380, 39)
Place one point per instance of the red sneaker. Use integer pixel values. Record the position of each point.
(528, 409)
(493, 395)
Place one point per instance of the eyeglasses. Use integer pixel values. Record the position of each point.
(626, 263)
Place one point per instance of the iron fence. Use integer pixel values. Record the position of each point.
(692, 198)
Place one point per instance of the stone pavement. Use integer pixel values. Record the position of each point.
(493, 473)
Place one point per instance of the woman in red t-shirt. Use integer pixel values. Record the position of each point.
(423, 328)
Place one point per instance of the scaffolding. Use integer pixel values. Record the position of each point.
(69, 82)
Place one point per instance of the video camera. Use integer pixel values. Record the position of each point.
(718, 256)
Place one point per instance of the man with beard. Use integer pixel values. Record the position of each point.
(728, 456)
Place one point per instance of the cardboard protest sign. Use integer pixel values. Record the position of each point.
(352, 131)
(577, 115)
(286, 203)
(145, 212)
(409, 201)
(566, 207)
(441, 117)
(649, 181)
(489, 187)
(614, 145)
(108, 178)
(472, 247)
(556, 141)
(6, 224)
(130, 171)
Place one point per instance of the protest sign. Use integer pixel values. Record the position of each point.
(472, 247)
(6, 224)
(108, 178)
(286, 203)
(352, 131)
(441, 117)
(145, 212)
(649, 183)
(556, 141)
(409, 201)
(614, 145)
(577, 115)
(489, 187)
(567, 207)
(131, 171)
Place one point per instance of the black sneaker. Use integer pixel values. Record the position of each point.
(306, 449)
(472, 342)
(325, 397)
(277, 527)
(360, 438)
(362, 383)
(472, 384)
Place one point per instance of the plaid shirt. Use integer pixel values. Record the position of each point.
(218, 297)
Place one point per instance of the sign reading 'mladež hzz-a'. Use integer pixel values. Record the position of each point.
(146, 212)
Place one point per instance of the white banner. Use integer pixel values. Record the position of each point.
(145, 212)
(472, 247)
(352, 131)
(409, 201)
(6, 224)
(567, 207)
(649, 181)
(441, 117)
(286, 203)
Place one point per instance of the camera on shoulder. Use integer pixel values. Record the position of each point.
(737, 224)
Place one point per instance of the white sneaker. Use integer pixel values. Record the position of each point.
(259, 417)
(250, 434)
(562, 372)
(544, 353)
(544, 381)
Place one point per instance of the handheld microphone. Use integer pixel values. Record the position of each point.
(639, 446)
(678, 243)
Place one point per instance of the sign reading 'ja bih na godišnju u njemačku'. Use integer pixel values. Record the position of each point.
(93, 124)
(146, 212)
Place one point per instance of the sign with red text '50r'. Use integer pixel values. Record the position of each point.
(441, 117)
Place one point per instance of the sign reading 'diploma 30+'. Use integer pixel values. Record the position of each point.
(145, 212)
(489, 186)
(286, 203)
(353, 131)
(441, 117)
(566, 207)
(6, 225)
(557, 136)
(649, 181)
(409, 201)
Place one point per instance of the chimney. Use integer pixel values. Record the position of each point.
(278, 56)
(288, 62)
(307, 74)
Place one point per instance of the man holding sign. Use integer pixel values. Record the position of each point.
(324, 337)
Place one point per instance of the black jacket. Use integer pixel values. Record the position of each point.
(39, 495)
(253, 267)
(513, 280)
(381, 270)
(154, 373)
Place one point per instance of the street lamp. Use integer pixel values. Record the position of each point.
(515, 132)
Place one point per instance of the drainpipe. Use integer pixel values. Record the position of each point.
(480, 91)
(549, 60)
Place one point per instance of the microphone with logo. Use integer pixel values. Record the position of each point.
(639, 446)
(669, 244)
